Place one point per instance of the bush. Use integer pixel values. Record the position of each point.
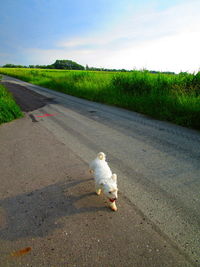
(9, 110)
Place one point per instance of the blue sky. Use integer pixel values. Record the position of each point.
(131, 34)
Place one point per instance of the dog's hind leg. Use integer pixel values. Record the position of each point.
(91, 171)
(97, 189)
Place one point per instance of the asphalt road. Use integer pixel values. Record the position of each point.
(158, 167)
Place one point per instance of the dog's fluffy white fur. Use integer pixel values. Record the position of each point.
(105, 180)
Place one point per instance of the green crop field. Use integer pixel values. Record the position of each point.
(169, 97)
(9, 110)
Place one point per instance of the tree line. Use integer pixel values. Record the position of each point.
(66, 64)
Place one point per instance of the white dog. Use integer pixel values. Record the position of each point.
(104, 179)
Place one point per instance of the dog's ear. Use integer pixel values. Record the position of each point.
(114, 177)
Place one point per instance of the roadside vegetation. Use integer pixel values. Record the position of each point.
(169, 97)
(9, 110)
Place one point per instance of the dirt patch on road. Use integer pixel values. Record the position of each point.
(28, 100)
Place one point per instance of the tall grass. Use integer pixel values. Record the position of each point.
(174, 98)
(9, 110)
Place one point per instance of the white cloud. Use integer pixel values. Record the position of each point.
(174, 53)
(157, 40)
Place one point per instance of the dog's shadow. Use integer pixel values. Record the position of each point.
(36, 213)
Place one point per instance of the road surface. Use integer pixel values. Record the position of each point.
(157, 163)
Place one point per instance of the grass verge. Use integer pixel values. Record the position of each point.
(9, 110)
(174, 98)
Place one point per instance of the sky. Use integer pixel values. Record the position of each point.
(161, 35)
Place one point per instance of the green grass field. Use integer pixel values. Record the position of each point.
(9, 110)
(169, 97)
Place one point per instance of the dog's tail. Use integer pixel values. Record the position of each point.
(101, 156)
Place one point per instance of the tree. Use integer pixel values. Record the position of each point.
(13, 66)
(67, 65)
